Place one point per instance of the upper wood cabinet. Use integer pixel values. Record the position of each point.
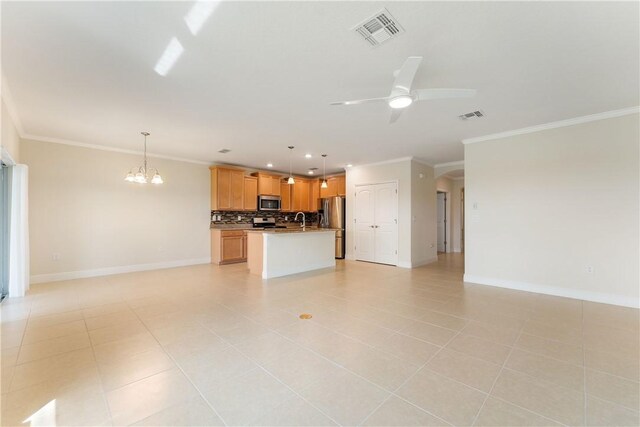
(314, 195)
(227, 188)
(268, 185)
(341, 185)
(285, 197)
(336, 186)
(250, 193)
(301, 196)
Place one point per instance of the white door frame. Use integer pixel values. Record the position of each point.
(393, 181)
(447, 216)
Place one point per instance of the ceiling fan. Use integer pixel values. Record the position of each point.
(402, 95)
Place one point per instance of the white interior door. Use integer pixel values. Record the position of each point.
(365, 231)
(386, 228)
(376, 237)
(441, 221)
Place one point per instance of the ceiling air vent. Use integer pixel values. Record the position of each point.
(224, 151)
(379, 28)
(474, 115)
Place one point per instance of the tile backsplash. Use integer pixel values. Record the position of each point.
(231, 217)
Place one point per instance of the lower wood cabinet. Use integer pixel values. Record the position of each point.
(228, 246)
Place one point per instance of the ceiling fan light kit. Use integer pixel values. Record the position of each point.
(402, 101)
(402, 95)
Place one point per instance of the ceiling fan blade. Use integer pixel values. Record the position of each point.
(360, 101)
(426, 94)
(406, 74)
(395, 115)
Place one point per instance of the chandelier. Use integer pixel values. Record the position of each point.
(141, 176)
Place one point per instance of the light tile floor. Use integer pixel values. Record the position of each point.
(209, 345)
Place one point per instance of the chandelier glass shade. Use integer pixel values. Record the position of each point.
(141, 176)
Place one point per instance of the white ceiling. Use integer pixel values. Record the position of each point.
(260, 75)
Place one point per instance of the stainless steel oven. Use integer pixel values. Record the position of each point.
(269, 203)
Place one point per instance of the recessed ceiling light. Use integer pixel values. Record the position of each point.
(349, 165)
(269, 165)
(308, 156)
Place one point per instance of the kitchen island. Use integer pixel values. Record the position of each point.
(276, 253)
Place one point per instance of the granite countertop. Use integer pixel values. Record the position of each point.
(231, 226)
(288, 226)
(292, 230)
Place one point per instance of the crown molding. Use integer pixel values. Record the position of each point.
(554, 125)
(384, 162)
(39, 138)
(456, 163)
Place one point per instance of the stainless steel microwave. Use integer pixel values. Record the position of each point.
(269, 203)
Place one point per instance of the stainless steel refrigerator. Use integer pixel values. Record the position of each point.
(333, 216)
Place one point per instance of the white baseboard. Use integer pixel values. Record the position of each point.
(600, 297)
(81, 274)
(417, 263)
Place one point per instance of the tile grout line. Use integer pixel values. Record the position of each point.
(95, 359)
(495, 381)
(181, 370)
(393, 393)
(285, 384)
(232, 345)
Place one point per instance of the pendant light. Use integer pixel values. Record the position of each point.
(291, 181)
(141, 176)
(324, 172)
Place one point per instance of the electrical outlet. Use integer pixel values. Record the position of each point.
(431, 245)
(286, 218)
(55, 256)
(239, 217)
(589, 269)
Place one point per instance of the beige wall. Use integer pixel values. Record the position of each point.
(416, 210)
(456, 215)
(423, 215)
(10, 139)
(84, 213)
(543, 207)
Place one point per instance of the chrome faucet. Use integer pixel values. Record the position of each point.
(303, 219)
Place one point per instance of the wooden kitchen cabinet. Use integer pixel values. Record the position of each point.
(341, 185)
(300, 195)
(227, 189)
(228, 246)
(268, 185)
(250, 193)
(336, 186)
(285, 197)
(314, 194)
